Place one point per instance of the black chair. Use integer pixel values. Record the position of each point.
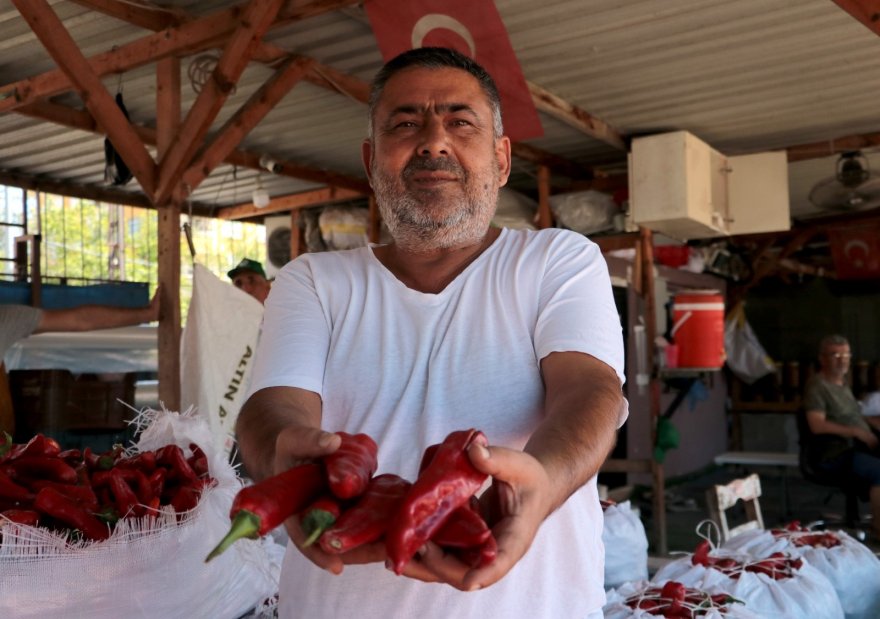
(841, 478)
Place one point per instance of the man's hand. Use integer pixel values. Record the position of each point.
(517, 503)
(867, 437)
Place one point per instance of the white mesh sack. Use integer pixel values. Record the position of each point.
(149, 567)
(850, 566)
(626, 545)
(807, 593)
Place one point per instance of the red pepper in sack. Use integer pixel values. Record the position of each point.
(144, 462)
(445, 485)
(40, 445)
(318, 517)
(172, 457)
(368, 520)
(259, 508)
(52, 503)
(13, 491)
(21, 516)
(43, 467)
(84, 495)
(125, 499)
(350, 468)
(198, 460)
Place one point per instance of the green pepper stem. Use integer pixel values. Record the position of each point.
(315, 523)
(245, 524)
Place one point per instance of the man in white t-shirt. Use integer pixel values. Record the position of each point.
(453, 325)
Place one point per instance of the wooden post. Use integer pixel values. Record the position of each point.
(168, 122)
(545, 216)
(296, 235)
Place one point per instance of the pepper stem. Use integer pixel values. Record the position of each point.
(315, 523)
(245, 524)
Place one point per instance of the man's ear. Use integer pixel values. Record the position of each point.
(367, 158)
(502, 155)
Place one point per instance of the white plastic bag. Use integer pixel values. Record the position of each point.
(586, 212)
(851, 567)
(745, 356)
(149, 567)
(626, 545)
(806, 594)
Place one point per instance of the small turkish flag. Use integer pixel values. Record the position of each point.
(472, 27)
(856, 251)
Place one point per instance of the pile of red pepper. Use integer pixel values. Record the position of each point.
(87, 493)
(777, 566)
(802, 536)
(342, 505)
(673, 599)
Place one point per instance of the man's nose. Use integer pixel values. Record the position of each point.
(433, 139)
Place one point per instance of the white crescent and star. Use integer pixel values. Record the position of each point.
(434, 21)
(857, 261)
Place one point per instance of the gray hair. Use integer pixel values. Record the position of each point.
(832, 340)
(437, 58)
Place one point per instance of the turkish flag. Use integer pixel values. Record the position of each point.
(856, 251)
(472, 27)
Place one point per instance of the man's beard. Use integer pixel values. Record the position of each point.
(425, 220)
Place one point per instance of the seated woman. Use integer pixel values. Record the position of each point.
(850, 445)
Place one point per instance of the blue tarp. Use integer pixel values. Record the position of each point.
(56, 296)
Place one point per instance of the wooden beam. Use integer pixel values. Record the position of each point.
(245, 119)
(237, 52)
(140, 14)
(187, 38)
(292, 202)
(866, 11)
(827, 148)
(85, 192)
(64, 51)
(574, 116)
(168, 104)
(82, 120)
(535, 155)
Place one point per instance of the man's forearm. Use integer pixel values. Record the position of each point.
(262, 418)
(582, 409)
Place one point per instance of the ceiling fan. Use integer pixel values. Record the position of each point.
(852, 188)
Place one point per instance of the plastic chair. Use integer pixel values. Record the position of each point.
(720, 498)
(843, 480)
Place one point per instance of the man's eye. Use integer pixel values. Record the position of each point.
(405, 124)
(460, 122)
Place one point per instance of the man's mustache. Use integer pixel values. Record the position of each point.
(421, 164)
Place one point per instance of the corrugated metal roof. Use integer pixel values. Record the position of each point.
(744, 76)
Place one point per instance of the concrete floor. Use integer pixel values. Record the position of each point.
(785, 497)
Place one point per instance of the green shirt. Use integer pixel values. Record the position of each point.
(840, 406)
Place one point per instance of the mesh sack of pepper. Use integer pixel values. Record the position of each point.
(777, 585)
(626, 545)
(641, 599)
(850, 566)
(150, 564)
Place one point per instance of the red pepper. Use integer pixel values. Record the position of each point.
(71, 456)
(259, 508)
(40, 445)
(350, 467)
(100, 462)
(11, 490)
(22, 516)
(465, 528)
(43, 467)
(172, 457)
(144, 461)
(84, 495)
(318, 517)
(52, 503)
(136, 478)
(479, 556)
(368, 520)
(157, 482)
(126, 500)
(429, 454)
(198, 460)
(445, 485)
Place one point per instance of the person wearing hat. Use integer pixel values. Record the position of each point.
(249, 276)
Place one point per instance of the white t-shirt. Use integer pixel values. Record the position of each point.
(408, 367)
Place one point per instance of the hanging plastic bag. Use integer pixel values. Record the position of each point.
(626, 545)
(746, 358)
